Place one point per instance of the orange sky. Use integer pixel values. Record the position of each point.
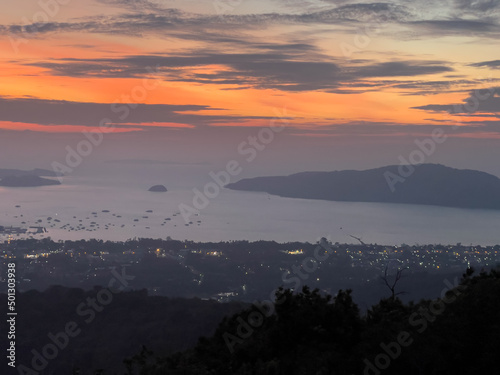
(92, 55)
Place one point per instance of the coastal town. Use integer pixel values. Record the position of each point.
(236, 270)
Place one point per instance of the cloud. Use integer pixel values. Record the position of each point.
(59, 112)
(142, 5)
(385, 129)
(494, 64)
(401, 69)
(288, 67)
(477, 5)
(365, 12)
(456, 25)
(274, 70)
(143, 18)
(477, 103)
(416, 87)
(159, 20)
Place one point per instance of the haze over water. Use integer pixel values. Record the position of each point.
(232, 215)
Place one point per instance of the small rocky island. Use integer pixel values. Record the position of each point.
(158, 189)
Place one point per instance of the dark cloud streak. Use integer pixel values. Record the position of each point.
(285, 71)
(478, 102)
(59, 112)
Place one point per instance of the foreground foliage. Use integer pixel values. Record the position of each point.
(311, 333)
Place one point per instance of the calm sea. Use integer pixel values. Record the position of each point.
(233, 215)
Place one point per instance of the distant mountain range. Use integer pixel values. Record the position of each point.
(21, 178)
(34, 172)
(424, 184)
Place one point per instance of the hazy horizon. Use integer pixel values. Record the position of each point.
(354, 84)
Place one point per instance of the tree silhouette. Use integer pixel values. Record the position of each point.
(392, 284)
